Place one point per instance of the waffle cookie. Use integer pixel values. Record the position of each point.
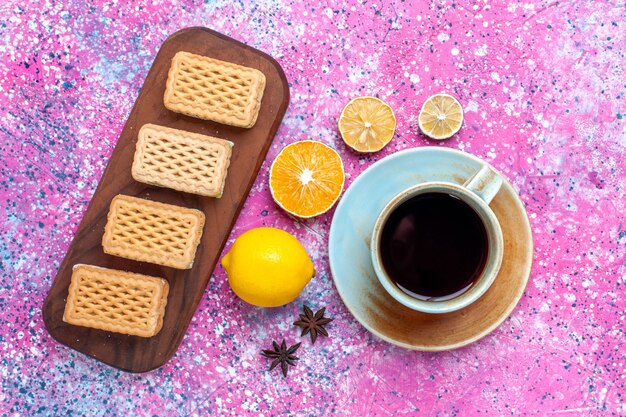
(116, 301)
(148, 231)
(211, 89)
(184, 161)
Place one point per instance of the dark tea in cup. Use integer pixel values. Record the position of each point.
(434, 246)
(437, 247)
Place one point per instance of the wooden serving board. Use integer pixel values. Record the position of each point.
(137, 354)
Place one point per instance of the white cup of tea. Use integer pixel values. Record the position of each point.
(437, 247)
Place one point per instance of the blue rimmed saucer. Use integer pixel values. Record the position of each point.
(351, 265)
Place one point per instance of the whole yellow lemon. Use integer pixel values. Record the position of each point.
(267, 267)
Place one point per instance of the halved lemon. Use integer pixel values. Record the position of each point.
(306, 178)
(367, 124)
(441, 116)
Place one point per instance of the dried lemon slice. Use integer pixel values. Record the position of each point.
(367, 124)
(306, 178)
(441, 116)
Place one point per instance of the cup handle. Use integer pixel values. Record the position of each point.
(485, 184)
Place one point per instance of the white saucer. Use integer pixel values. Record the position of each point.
(356, 282)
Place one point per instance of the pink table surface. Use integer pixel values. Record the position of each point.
(543, 87)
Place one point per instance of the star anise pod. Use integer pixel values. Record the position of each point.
(282, 355)
(313, 323)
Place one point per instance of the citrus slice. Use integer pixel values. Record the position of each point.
(441, 116)
(367, 124)
(306, 178)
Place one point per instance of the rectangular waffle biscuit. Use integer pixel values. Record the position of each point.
(116, 301)
(148, 231)
(184, 161)
(211, 89)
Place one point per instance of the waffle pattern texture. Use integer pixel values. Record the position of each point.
(148, 231)
(116, 301)
(181, 160)
(211, 89)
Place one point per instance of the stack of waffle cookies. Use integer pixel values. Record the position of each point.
(148, 231)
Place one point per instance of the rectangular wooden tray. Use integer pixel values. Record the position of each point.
(137, 354)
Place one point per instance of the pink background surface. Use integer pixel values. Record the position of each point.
(543, 88)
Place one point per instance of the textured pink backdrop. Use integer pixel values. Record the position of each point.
(543, 87)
